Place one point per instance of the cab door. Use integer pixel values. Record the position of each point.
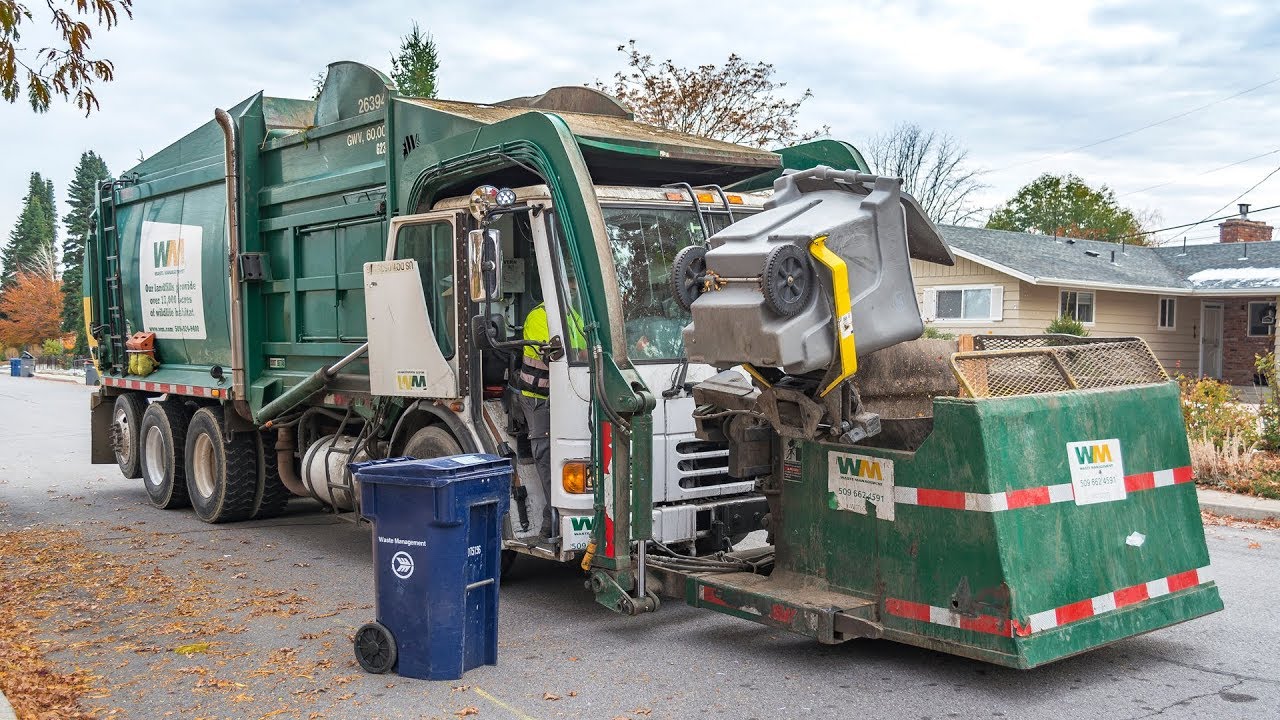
(411, 303)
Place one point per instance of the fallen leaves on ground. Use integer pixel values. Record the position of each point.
(550, 696)
(468, 710)
(192, 649)
(1210, 518)
(1255, 545)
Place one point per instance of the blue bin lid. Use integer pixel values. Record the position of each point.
(434, 472)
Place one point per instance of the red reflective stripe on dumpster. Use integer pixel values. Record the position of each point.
(940, 498)
(907, 609)
(1141, 481)
(1028, 497)
(1054, 617)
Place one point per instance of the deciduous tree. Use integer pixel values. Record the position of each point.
(934, 169)
(738, 102)
(32, 309)
(1065, 205)
(66, 68)
(414, 67)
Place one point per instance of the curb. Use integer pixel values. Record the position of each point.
(1244, 507)
(6, 711)
(58, 378)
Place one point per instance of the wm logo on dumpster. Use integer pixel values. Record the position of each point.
(411, 381)
(168, 253)
(859, 467)
(1089, 454)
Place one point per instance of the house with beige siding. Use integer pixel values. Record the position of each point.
(1205, 310)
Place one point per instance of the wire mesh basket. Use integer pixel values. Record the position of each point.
(1028, 364)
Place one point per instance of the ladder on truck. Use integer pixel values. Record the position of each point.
(115, 330)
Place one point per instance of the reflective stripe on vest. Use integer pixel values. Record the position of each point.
(534, 378)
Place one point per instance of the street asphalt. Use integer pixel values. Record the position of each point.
(276, 602)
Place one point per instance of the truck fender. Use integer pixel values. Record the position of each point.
(422, 413)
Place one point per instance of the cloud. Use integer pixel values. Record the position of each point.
(1018, 83)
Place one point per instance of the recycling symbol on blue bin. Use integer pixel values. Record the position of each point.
(402, 565)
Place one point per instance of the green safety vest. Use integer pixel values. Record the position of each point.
(534, 378)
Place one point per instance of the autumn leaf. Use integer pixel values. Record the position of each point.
(1255, 545)
(550, 696)
(192, 649)
(468, 710)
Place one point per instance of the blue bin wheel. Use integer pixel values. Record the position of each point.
(375, 648)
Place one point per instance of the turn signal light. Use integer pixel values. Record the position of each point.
(576, 477)
(735, 199)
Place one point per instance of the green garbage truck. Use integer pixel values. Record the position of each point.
(309, 279)
(298, 285)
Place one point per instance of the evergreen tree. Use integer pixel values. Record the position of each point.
(31, 242)
(82, 200)
(414, 68)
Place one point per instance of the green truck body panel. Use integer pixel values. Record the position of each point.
(979, 546)
(318, 183)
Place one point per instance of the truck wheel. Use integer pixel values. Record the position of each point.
(431, 441)
(272, 497)
(126, 421)
(163, 442)
(222, 477)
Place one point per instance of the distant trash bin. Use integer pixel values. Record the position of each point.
(437, 548)
(28, 365)
(15, 367)
(91, 373)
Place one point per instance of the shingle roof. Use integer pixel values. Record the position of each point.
(1199, 269)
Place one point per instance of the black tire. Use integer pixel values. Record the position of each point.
(375, 648)
(162, 443)
(222, 477)
(687, 271)
(788, 280)
(431, 441)
(126, 425)
(272, 497)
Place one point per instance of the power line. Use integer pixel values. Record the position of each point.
(1193, 224)
(1246, 192)
(1207, 172)
(1148, 126)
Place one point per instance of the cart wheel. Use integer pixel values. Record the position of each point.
(788, 280)
(375, 648)
(687, 271)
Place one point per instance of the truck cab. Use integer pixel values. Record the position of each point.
(696, 503)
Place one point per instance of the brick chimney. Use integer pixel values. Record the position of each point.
(1242, 229)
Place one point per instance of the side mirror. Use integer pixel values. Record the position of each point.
(484, 263)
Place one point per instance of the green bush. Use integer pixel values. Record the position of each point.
(1067, 326)
(1211, 410)
(52, 348)
(1269, 410)
(934, 333)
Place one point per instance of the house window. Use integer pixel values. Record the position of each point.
(1168, 313)
(1077, 305)
(964, 304)
(1262, 319)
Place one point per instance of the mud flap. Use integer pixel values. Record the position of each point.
(100, 450)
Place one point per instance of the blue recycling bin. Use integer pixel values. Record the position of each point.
(15, 367)
(437, 549)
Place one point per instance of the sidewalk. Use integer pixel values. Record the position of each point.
(59, 377)
(6, 712)
(1245, 507)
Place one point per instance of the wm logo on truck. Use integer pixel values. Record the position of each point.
(168, 253)
(411, 381)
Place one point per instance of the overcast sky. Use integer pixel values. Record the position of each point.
(1020, 83)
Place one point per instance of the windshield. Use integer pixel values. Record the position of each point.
(645, 242)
